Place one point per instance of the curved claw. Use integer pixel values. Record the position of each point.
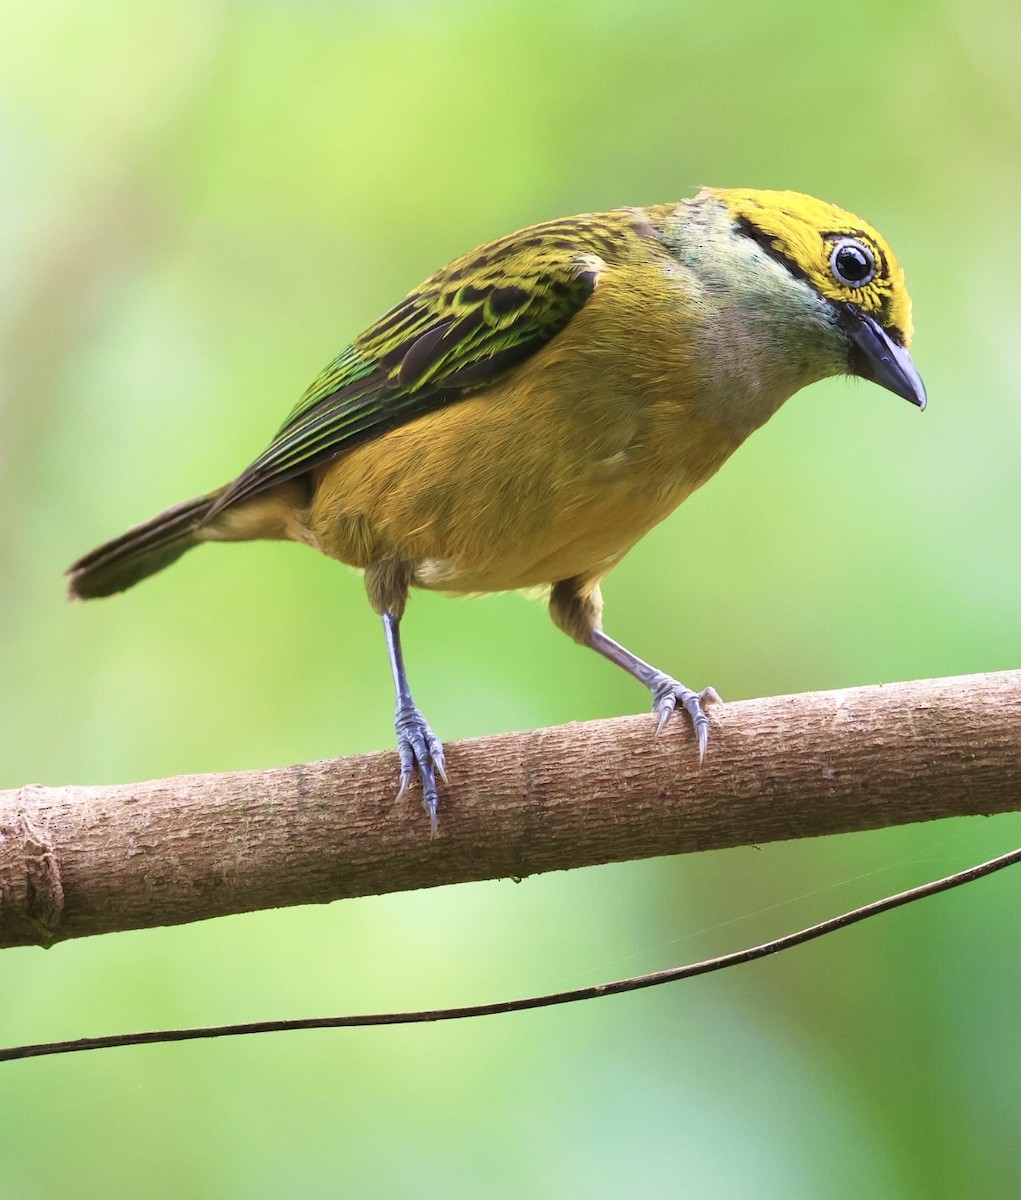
(667, 693)
(421, 753)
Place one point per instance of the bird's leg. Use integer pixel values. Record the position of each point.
(667, 692)
(420, 749)
(576, 606)
(386, 582)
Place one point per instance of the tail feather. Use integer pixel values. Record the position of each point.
(142, 551)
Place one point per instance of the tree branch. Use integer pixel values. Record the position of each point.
(84, 860)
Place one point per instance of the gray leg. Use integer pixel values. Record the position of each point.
(576, 607)
(667, 692)
(420, 749)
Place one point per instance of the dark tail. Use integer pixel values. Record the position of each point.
(142, 551)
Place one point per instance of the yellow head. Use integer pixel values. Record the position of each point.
(840, 255)
(847, 263)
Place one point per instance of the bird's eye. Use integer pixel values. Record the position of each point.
(852, 263)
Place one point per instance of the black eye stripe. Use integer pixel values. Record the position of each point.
(770, 246)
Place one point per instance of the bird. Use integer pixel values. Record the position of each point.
(528, 413)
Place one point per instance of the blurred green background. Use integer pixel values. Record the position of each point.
(200, 203)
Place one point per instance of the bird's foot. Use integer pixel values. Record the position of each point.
(421, 753)
(667, 694)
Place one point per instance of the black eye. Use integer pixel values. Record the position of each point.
(852, 262)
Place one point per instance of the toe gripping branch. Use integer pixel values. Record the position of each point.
(667, 692)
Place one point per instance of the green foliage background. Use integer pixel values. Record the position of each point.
(200, 202)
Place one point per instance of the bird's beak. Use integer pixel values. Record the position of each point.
(877, 357)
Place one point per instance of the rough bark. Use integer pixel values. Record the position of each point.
(84, 860)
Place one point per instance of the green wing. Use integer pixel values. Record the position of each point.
(463, 328)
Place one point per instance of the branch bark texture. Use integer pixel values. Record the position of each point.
(76, 861)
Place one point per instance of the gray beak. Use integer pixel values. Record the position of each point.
(877, 357)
